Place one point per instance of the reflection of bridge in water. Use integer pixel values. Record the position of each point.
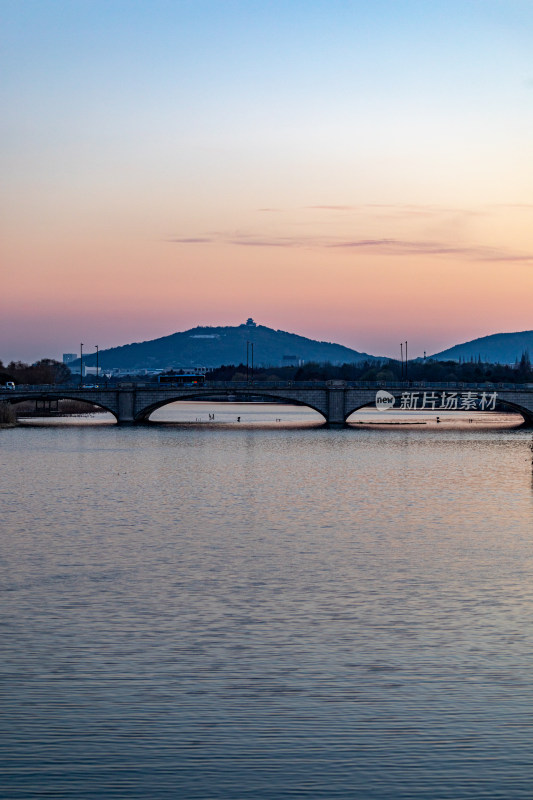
(335, 400)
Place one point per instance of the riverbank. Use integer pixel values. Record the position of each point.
(59, 408)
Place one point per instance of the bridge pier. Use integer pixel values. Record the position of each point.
(335, 404)
(126, 407)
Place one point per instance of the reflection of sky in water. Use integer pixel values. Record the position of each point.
(231, 613)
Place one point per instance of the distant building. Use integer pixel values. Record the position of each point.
(291, 361)
(205, 336)
(122, 372)
(250, 323)
(69, 357)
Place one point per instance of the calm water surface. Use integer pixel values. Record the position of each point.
(266, 611)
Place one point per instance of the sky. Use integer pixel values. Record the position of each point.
(352, 171)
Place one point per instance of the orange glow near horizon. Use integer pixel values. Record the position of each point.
(362, 290)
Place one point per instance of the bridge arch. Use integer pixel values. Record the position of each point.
(526, 413)
(32, 396)
(144, 414)
(508, 404)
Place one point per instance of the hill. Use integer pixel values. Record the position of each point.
(213, 346)
(499, 348)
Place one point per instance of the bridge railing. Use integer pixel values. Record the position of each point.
(262, 386)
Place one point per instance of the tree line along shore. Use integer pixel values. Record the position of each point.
(50, 372)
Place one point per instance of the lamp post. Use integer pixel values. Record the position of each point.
(401, 357)
(81, 363)
(96, 363)
(406, 361)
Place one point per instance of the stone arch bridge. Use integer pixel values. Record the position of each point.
(132, 403)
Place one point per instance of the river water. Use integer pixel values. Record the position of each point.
(266, 609)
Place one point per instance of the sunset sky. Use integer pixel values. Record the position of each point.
(357, 171)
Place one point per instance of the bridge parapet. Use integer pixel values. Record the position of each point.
(68, 387)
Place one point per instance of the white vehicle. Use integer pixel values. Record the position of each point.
(10, 385)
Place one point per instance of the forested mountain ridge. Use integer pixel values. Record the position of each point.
(498, 348)
(213, 346)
